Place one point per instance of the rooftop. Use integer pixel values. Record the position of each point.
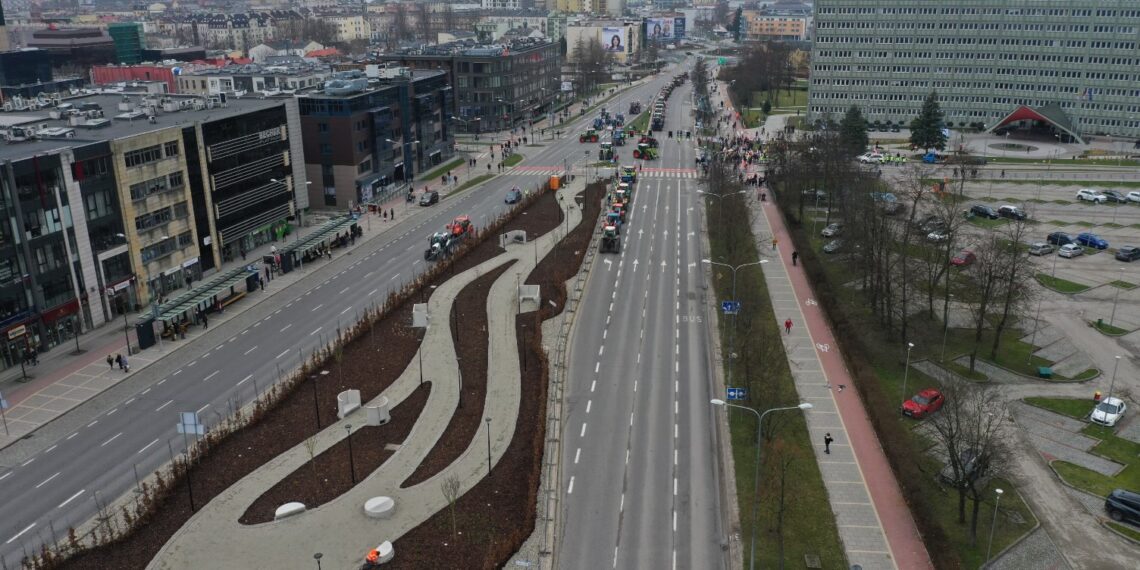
(288, 65)
(472, 48)
(345, 84)
(116, 124)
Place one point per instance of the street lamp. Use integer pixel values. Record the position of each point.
(720, 205)
(318, 557)
(732, 333)
(1112, 317)
(906, 371)
(351, 461)
(997, 500)
(756, 468)
(1112, 383)
(488, 422)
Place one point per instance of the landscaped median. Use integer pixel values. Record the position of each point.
(1111, 447)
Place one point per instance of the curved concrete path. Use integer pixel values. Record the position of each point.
(214, 538)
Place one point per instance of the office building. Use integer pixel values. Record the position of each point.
(128, 40)
(1069, 69)
(281, 73)
(75, 47)
(366, 132)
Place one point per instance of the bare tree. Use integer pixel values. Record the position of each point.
(401, 28)
(913, 188)
(1017, 272)
(311, 449)
(784, 454)
(450, 488)
(983, 287)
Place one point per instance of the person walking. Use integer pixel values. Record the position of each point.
(111, 361)
(795, 256)
(119, 360)
(126, 365)
(827, 443)
(788, 326)
(774, 242)
(205, 320)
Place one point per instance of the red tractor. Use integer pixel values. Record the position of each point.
(461, 227)
(589, 136)
(646, 139)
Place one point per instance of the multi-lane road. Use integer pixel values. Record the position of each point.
(53, 480)
(639, 480)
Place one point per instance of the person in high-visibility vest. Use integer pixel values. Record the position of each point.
(373, 556)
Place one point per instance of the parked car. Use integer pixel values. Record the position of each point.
(1040, 248)
(833, 246)
(923, 403)
(1108, 411)
(983, 211)
(871, 157)
(938, 235)
(815, 194)
(1123, 505)
(1114, 196)
(1070, 250)
(1128, 253)
(963, 258)
(513, 196)
(428, 198)
(933, 224)
(968, 463)
(1132, 196)
(1059, 238)
(1085, 194)
(1012, 212)
(919, 225)
(1089, 239)
(831, 230)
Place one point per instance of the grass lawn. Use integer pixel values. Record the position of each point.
(641, 123)
(1125, 530)
(1109, 329)
(1123, 285)
(444, 168)
(781, 100)
(1063, 162)
(473, 182)
(1073, 407)
(964, 371)
(1111, 447)
(1052, 184)
(1061, 285)
(513, 159)
(982, 222)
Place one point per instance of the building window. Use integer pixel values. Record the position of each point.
(143, 156)
(141, 190)
(322, 127)
(330, 195)
(365, 166)
(170, 149)
(326, 148)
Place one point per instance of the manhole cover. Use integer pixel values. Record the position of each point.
(812, 561)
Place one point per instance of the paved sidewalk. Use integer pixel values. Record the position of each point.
(214, 538)
(64, 380)
(873, 519)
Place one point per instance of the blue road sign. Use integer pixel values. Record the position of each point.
(738, 393)
(730, 307)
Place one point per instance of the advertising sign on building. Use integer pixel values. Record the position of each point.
(665, 29)
(614, 40)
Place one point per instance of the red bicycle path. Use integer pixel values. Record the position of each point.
(902, 534)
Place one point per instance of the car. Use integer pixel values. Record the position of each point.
(1128, 253)
(1114, 196)
(920, 224)
(429, 197)
(969, 463)
(1123, 506)
(983, 211)
(514, 195)
(923, 404)
(1089, 239)
(933, 224)
(963, 258)
(1012, 212)
(1040, 248)
(1070, 250)
(815, 194)
(871, 158)
(1132, 196)
(1087, 195)
(832, 230)
(1059, 238)
(1108, 411)
(833, 246)
(938, 235)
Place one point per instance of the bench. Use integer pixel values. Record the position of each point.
(232, 299)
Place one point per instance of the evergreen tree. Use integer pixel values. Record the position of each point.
(737, 23)
(926, 128)
(853, 132)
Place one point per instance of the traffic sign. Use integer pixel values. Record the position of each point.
(737, 394)
(730, 307)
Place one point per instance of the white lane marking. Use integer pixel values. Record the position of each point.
(631, 418)
(71, 498)
(176, 373)
(203, 408)
(583, 433)
(21, 533)
(577, 454)
(315, 331)
(621, 507)
(346, 309)
(92, 423)
(635, 385)
(343, 291)
(127, 403)
(593, 384)
(45, 481)
(147, 446)
(5, 476)
(570, 490)
(674, 486)
(112, 412)
(286, 327)
(211, 375)
(283, 353)
(314, 309)
(51, 449)
(72, 435)
(372, 292)
(159, 409)
(588, 404)
(28, 462)
(244, 380)
(113, 438)
(597, 367)
(251, 350)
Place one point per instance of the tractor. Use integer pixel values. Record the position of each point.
(611, 242)
(620, 210)
(591, 135)
(619, 120)
(645, 152)
(648, 140)
(658, 122)
(614, 219)
(618, 138)
(607, 152)
(441, 245)
(629, 174)
(634, 108)
(461, 227)
(625, 188)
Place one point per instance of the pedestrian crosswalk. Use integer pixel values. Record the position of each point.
(604, 170)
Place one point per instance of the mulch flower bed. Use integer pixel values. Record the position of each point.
(369, 364)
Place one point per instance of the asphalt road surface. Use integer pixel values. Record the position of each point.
(54, 480)
(639, 489)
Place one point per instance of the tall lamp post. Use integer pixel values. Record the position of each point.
(1112, 317)
(732, 333)
(1112, 383)
(997, 500)
(720, 205)
(351, 461)
(906, 371)
(756, 468)
(318, 557)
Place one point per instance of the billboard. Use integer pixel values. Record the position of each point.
(665, 29)
(614, 40)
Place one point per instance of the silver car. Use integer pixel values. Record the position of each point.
(1040, 248)
(831, 230)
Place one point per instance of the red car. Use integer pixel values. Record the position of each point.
(964, 258)
(922, 404)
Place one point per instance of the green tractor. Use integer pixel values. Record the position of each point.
(606, 152)
(611, 242)
(590, 135)
(645, 152)
(629, 174)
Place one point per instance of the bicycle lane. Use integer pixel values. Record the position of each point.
(874, 521)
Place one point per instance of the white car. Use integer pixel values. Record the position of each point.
(1132, 197)
(1070, 250)
(938, 236)
(871, 158)
(1108, 411)
(1085, 194)
(832, 230)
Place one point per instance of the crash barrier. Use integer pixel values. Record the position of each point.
(377, 415)
(347, 402)
(288, 510)
(379, 508)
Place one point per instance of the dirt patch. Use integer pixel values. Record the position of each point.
(329, 475)
(469, 329)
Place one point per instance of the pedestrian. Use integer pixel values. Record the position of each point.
(454, 179)
(119, 360)
(111, 361)
(1003, 173)
(242, 250)
(391, 214)
(384, 214)
(795, 256)
(774, 242)
(261, 281)
(827, 443)
(126, 365)
(328, 252)
(205, 320)
(788, 326)
(489, 166)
